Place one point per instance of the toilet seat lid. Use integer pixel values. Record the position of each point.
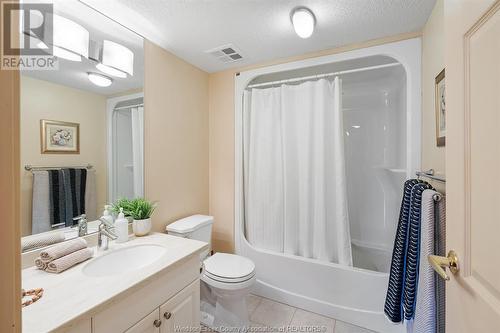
(228, 266)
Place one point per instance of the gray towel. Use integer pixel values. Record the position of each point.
(70, 260)
(91, 196)
(77, 185)
(60, 250)
(68, 198)
(40, 220)
(425, 314)
(57, 199)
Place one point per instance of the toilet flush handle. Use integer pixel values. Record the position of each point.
(167, 315)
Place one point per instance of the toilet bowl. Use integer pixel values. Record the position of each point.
(226, 279)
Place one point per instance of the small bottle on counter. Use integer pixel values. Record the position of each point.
(106, 215)
(121, 227)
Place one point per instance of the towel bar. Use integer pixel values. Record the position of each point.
(430, 174)
(29, 167)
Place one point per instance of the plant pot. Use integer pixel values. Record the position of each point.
(141, 227)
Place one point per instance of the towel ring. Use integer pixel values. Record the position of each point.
(35, 294)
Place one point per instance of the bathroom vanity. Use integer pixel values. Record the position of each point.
(149, 284)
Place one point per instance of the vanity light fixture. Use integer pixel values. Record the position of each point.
(111, 71)
(99, 79)
(117, 57)
(303, 22)
(70, 40)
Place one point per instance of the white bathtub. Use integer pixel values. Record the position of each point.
(348, 294)
(353, 295)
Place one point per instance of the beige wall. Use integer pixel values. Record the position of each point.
(176, 136)
(433, 157)
(221, 120)
(46, 100)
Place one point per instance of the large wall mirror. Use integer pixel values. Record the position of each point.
(81, 124)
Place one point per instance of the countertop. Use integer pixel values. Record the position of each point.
(72, 295)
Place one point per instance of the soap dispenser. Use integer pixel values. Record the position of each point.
(121, 227)
(106, 215)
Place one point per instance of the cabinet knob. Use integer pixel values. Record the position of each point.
(157, 323)
(167, 315)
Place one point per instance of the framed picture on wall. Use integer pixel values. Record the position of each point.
(440, 98)
(59, 137)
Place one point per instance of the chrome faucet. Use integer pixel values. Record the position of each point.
(105, 233)
(82, 224)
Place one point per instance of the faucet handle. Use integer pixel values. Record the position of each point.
(106, 223)
(107, 231)
(80, 217)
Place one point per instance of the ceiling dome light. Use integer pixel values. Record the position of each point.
(111, 71)
(118, 57)
(70, 40)
(303, 21)
(100, 80)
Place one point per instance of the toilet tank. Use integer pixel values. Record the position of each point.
(198, 227)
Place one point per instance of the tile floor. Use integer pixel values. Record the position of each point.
(264, 312)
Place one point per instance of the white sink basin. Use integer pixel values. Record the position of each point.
(124, 260)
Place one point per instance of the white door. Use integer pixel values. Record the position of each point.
(472, 31)
(182, 312)
(149, 324)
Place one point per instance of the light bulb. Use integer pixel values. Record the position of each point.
(303, 22)
(100, 80)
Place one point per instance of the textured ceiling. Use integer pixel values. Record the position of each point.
(261, 29)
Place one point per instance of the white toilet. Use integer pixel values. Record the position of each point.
(226, 279)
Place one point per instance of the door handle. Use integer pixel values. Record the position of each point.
(439, 263)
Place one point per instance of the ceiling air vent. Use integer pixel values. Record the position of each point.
(226, 53)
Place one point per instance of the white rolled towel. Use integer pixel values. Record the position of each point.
(40, 264)
(42, 240)
(70, 260)
(60, 250)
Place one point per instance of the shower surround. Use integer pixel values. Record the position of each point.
(380, 98)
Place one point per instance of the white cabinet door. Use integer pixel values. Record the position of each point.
(149, 324)
(182, 312)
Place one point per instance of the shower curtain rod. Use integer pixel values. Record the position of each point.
(129, 106)
(319, 76)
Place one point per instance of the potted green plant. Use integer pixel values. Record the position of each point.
(122, 203)
(140, 210)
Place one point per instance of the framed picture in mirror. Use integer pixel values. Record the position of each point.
(59, 137)
(440, 96)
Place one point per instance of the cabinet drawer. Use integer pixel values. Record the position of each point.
(123, 313)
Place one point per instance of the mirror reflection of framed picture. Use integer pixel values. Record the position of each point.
(440, 100)
(59, 137)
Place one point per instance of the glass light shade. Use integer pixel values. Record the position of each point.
(100, 80)
(117, 56)
(65, 54)
(69, 38)
(111, 71)
(303, 22)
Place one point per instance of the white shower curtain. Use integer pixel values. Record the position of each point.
(137, 116)
(294, 171)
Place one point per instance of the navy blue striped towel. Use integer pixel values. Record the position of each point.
(401, 291)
